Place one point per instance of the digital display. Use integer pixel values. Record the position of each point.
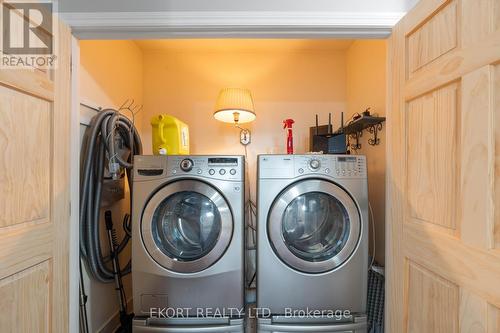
(346, 159)
(223, 160)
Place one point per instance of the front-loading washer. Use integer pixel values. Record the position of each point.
(187, 243)
(312, 250)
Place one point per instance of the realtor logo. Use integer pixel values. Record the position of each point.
(27, 34)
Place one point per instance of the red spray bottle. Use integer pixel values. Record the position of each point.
(287, 124)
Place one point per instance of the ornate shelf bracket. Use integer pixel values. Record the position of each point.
(354, 129)
(374, 129)
(355, 136)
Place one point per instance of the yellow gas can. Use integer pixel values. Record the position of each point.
(170, 135)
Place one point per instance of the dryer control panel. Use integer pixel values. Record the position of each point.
(350, 166)
(291, 166)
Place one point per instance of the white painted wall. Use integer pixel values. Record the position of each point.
(236, 5)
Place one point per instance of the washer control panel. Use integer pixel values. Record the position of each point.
(219, 167)
(147, 167)
(290, 166)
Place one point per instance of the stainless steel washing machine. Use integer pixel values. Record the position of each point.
(312, 251)
(187, 243)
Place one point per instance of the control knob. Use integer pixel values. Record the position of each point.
(187, 164)
(314, 164)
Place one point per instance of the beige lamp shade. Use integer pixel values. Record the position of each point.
(234, 105)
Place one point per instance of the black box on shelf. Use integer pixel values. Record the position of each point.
(321, 140)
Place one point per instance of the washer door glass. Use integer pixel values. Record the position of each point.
(315, 226)
(186, 226)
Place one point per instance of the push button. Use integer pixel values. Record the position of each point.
(222, 172)
(211, 172)
(232, 171)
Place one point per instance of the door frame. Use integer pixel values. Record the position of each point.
(74, 229)
(144, 25)
(231, 24)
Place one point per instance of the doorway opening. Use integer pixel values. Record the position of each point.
(288, 78)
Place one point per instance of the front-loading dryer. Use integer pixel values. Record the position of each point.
(187, 243)
(312, 250)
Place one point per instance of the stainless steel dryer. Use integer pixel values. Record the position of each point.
(312, 251)
(187, 243)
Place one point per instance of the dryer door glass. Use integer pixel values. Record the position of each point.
(315, 226)
(186, 226)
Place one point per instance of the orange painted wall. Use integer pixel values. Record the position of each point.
(110, 72)
(366, 87)
(288, 79)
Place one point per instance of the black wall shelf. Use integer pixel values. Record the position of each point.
(355, 129)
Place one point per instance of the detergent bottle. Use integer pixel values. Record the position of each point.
(287, 125)
(170, 135)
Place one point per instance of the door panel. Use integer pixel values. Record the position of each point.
(431, 145)
(30, 201)
(314, 226)
(428, 296)
(443, 204)
(433, 38)
(25, 297)
(473, 313)
(493, 318)
(478, 144)
(34, 194)
(477, 27)
(187, 226)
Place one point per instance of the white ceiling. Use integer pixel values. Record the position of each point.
(236, 5)
(243, 45)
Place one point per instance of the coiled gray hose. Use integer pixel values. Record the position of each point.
(100, 139)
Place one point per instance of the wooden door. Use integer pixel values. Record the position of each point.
(443, 180)
(34, 195)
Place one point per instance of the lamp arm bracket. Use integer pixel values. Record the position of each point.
(245, 135)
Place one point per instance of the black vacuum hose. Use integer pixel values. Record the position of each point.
(99, 149)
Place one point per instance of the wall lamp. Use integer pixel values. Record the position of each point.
(235, 105)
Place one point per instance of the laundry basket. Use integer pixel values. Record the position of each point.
(376, 282)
